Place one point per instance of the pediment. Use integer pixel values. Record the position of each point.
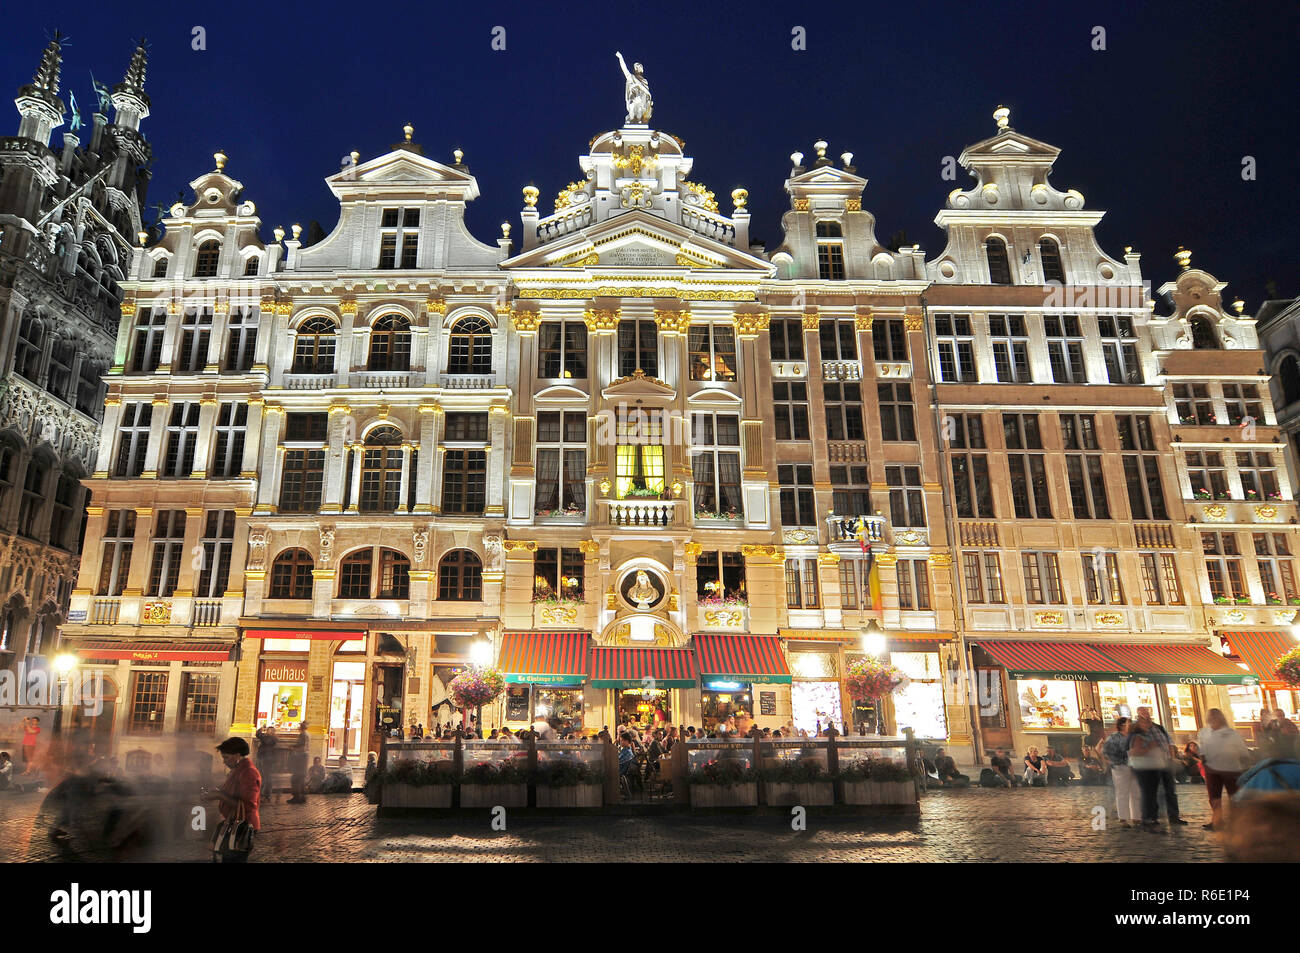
(715, 396)
(638, 385)
(562, 392)
(1011, 145)
(403, 169)
(828, 175)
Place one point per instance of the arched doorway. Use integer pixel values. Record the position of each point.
(347, 700)
(646, 672)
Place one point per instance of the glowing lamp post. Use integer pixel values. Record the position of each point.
(63, 664)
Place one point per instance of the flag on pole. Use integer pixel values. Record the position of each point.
(873, 581)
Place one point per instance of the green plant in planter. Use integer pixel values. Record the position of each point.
(724, 772)
(496, 772)
(418, 773)
(874, 769)
(567, 773)
(796, 772)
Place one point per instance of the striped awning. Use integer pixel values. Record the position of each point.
(631, 668)
(1180, 664)
(1260, 651)
(755, 659)
(155, 651)
(544, 658)
(1061, 661)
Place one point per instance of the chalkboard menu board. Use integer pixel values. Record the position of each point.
(767, 703)
(517, 703)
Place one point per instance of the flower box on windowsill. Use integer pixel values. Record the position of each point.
(705, 516)
(568, 515)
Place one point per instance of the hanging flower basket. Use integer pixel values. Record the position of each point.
(871, 679)
(470, 689)
(1288, 667)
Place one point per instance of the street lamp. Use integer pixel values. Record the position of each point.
(63, 664)
(875, 643)
(480, 657)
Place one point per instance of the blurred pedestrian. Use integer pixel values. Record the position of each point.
(1151, 754)
(240, 796)
(298, 768)
(266, 758)
(1224, 755)
(1128, 796)
(31, 733)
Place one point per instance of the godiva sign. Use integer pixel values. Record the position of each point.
(279, 672)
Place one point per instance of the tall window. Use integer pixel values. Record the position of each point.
(1208, 476)
(786, 338)
(1288, 375)
(851, 491)
(562, 350)
(1050, 253)
(1194, 405)
(1160, 579)
(33, 498)
(995, 250)
(160, 267)
(838, 339)
(982, 573)
(58, 376)
(1042, 578)
(228, 454)
(889, 339)
(1101, 579)
(1276, 573)
(394, 575)
(63, 513)
(1010, 342)
(241, 340)
(843, 405)
(313, 351)
(218, 539)
(147, 340)
(639, 455)
(399, 237)
(896, 421)
(913, 584)
(906, 499)
(830, 251)
(381, 471)
(464, 482)
(291, 575)
(1028, 471)
(712, 352)
(133, 439)
(561, 462)
(972, 489)
(460, 576)
(196, 335)
(470, 348)
(30, 348)
(797, 507)
(638, 347)
(207, 259)
(199, 694)
(303, 479)
(855, 584)
(354, 574)
(1223, 567)
(1065, 349)
(182, 435)
(1084, 470)
(148, 702)
(956, 345)
(558, 572)
(1146, 495)
(1243, 404)
(390, 344)
(1258, 472)
(801, 591)
(251, 264)
(720, 575)
(168, 551)
(1119, 349)
(90, 389)
(119, 540)
(790, 409)
(715, 465)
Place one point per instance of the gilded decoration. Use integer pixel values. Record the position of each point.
(564, 198)
(909, 537)
(863, 322)
(611, 600)
(156, 613)
(1110, 618)
(725, 618)
(799, 537)
(1236, 615)
(757, 552)
(828, 559)
(433, 306)
(853, 205)
(941, 560)
(1049, 618)
(1216, 512)
(812, 321)
(707, 201)
(800, 205)
(639, 375)
(634, 160)
(557, 615)
(672, 322)
(519, 545)
(887, 559)
(589, 547)
(348, 306)
(1266, 513)
(600, 320)
(913, 322)
(525, 322)
(580, 260)
(751, 325)
(633, 291)
(693, 550)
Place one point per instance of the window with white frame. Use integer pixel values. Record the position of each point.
(182, 436)
(715, 466)
(1193, 404)
(119, 541)
(1065, 348)
(972, 488)
(147, 340)
(830, 251)
(168, 551)
(1243, 404)
(1010, 342)
(851, 491)
(711, 352)
(638, 347)
(785, 336)
(1028, 471)
(1146, 494)
(1258, 473)
(801, 590)
(790, 409)
(399, 237)
(797, 507)
(562, 350)
(133, 438)
(1208, 475)
(1223, 567)
(196, 335)
(1101, 579)
(842, 404)
(217, 543)
(983, 576)
(561, 463)
(1042, 578)
(1084, 470)
(906, 497)
(1119, 349)
(896, 415)
(1276, 572)
(1160, 584)
(313, 349)
(639, 455)
(241, 339)
(228, 440)
(838, 339)
(913, 584)
(889, 339)
(955, 343)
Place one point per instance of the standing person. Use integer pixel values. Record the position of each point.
(1150, 753)
(298, 768)
(240, 793)
(1224, 756)
(266, 755)
(31, 733)
(1128, 797)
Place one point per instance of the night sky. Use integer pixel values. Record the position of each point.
(1153, 129)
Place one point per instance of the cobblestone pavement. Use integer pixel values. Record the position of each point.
(1047, 826)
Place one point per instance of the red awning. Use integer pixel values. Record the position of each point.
(345, 634)
(544, 657)
(1260, 651)
(1185, 664)
(630, 668)
(1113, 662)
(742, 658)
(1071, 661)
(156, 651)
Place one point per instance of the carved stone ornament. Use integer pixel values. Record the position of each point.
(257, 550)
(493, 553)
(326, 546)
(420, 544)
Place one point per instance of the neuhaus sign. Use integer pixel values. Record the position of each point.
(290, 671)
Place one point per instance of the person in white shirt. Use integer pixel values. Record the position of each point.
(543, 729)
(1226, 756)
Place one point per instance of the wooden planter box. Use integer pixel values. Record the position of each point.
(718, 795)
(409, 795)
(492, 795)
(577, 795)
(808, 794)
(879, 792)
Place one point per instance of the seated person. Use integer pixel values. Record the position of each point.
(1189, 766)
(1035, 769)
(1091, 768)
(6, 771)
(316, 777)
(1002, 768)
(1058, 768)
(627, 760)
(947, 770)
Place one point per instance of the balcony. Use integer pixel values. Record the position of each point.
(1154, 535)
(641, 513)
(983, 535)
(841, 370)
(466, 381)
(308, 381)
(105, 611)
(206, 612)
(381, 380)
(856, 529)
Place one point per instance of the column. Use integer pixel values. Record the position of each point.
(340, 420)
(273, 417)
(107, 444)
(203, 441)
(193, 558)
(430, 417)
(496, 462)
(9, 510)
(403, 494)
(157, 430)
(250, 466)
(439, 458)
(220, 322)
(354, 491)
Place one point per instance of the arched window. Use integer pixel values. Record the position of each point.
(160, 267)
(460, 576)
(390, 344)
(471, 347)
(205, 261)
(291, 575)
(67, 493)
(381, 471)
(995, 249)
(394, 575)
(250, 266)
(1050, 252)
(1289, 374)
(31, 342)
(354, 575)
(1203, 336)
(313, 352)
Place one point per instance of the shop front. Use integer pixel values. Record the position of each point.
(738, 674)
(1259, 651)
(282, 693)
(642, 686)
(545, 673)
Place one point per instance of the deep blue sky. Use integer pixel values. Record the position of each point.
(1153, 129)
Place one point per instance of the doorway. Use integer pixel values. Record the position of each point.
(347, 707)
(644, 708)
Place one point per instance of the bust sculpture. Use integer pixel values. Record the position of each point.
(642, 594)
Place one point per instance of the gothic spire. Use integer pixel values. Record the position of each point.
(47, 74)
(133, 82)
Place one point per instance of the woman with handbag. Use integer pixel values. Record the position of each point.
(240, 798)
(1150, 755)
